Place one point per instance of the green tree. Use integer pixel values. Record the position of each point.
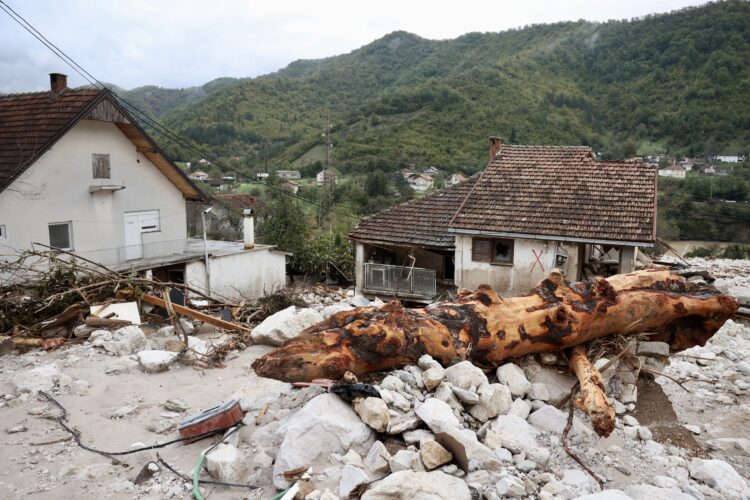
(376, 183)
(281, 222)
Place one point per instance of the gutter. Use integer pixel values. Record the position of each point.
(552, 238)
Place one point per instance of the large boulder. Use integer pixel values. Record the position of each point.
(720, 476)
(557, 384)
(408, 485)
(284, 325)
(323, 426)
(226, 463)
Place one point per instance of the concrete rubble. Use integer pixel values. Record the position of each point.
(453, 432)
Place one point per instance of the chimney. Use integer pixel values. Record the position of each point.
(495, 144)
(58, 82)
(248, 228)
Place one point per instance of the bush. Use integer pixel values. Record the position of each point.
(703, 252)
(736, 251)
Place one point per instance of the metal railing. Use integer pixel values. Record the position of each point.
(400, 280)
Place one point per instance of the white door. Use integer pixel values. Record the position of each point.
(132, 237)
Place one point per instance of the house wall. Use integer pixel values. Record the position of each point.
(249, 274)
(56, 189)
(519, 278)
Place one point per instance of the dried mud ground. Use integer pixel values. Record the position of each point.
(36, 464)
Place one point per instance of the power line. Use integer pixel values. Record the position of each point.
(141, 115)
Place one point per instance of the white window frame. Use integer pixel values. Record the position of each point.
(68, 223)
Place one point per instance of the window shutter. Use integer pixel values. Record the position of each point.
(481, 250)
(149, 221)
(100, 165)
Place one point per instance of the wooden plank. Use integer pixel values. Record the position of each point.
(190, 313)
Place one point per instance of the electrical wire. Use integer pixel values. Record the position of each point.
(142, 116)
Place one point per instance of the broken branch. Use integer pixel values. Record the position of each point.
(593, 398)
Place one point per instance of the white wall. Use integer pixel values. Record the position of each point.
(56, 189)
(249, 274)
(523, 275)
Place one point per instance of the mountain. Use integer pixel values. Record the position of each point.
(678, 82)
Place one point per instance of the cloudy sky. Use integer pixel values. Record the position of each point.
(189, 42)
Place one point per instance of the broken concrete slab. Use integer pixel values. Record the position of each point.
(284, 325)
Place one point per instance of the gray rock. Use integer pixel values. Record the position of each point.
(511, 432)
(352, 477)
(511, 487)
(557, 384)
(653, 349)
(226, 463)
(329, 311)
(743, 367)
(373, 412)
(41, 378)
(730, 445)
(467, 397)
(433, 376)
(465, 375)
(393, 383)
(719, 475)
(408, 485)
(550, 419)
(644, 433)
(630, 420)
(403, 423)
(126, 340)
(80, 387)
(513, 376)
(359, 301)
(376, 460)
(122, 364)
(323, 426)
(156, 361)
(494, 400)
(426, 362)
(444, 393)
(403, 460)
(415, 436)
(605, 495)
(466, 449)
(436, 414)
(176, 405)
(520, 408)
(433, 454)
(284, 325)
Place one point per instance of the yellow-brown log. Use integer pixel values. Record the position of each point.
(592, 398)
(486, 329)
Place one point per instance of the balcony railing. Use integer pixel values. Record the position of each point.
(400, 280)
(134, 253)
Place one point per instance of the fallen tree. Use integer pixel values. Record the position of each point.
(486, 329)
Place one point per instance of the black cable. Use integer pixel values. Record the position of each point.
(77, 435)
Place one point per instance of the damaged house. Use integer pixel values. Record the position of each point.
(79, 174)
(532, 209)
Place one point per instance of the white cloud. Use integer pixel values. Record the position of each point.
(185, 43)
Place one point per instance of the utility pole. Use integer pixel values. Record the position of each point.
(329, 181)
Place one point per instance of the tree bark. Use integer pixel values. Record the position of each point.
(484, 328)
(592, 398)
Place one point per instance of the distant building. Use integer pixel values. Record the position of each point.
(431, 171)
(729, 158)
(290, 186)
(288, 174)
(406, 172)
(326, 176)
(674, 171)
(709, 170)
(455, 179)
(198, 176)
(690, 163)
(262, 175)
(420, 182)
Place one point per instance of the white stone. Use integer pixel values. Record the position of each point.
(176, 405)
(392, 383)
(164, 332)
(550, 419)
(284, 325)
(41, 378)
(98, 337)
(557, 384)
(124, 411)
(436, 414)
(538, 392)
(665, 482)
(577, 479)
(156, 361)
(329, 311)
(359, 301)
(513, 376)
(426, 362)
(466, 449)
(351, 478)
(225, 463)
(417, 435)
(353, 458)
(126, 340)
(511, 432)
(323, 426)
(373, 412)
(466, 397)
(630, 420)
(511, 487)
(409, 485)
(433, 454)
(605, 495)
(122, 364)
(494, 400)
(695, 429)
(444, 393)
(376, 460)
(648, 492)
(644, 433)
(403, 423)
(719, 475)
(743, 367)
(465, 375)
(520, 408)
(740, 445)
(403, 460)
(79, 387)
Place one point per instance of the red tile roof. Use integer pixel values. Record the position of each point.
(30, 123)
(542, 191)
(419, 222)
(561, 191)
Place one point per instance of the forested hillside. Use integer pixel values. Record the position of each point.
(677, 82)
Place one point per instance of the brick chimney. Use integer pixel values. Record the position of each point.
(58, 82)
(495, 145)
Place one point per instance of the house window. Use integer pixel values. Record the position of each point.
(61, 235)
(497, 251)
(149, 221)
(3, 234)
(100, 166)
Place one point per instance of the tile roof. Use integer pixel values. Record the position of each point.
(417, 222)
(29, 124)
(561, 191)
(547, 191)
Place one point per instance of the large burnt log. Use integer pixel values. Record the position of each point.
(486, 329)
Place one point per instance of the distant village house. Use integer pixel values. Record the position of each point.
(198, 176)
(290, 186)
(288, 174)
(326, 176)
(674, 171)
(420, 182)
(455, 179)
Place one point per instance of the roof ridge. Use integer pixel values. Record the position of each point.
(42, 93)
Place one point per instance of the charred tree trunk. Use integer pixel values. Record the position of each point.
(486, 329)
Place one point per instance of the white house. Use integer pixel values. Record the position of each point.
(79, 174)
(455, 179)
(326, 176)
(729, 158)
(674, 171)
(288, 174)
(431, 171)
(533, 209)
(420, 182)
(198, 176)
